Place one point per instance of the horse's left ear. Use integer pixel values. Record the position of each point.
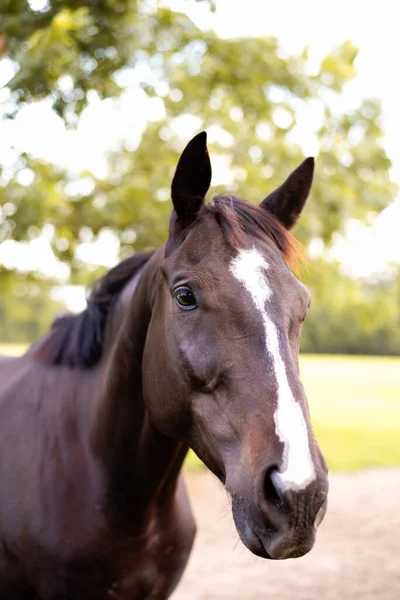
(287, 202)
(192, 178)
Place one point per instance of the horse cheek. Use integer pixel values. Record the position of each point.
(165, 395)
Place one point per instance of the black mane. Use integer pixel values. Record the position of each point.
(77, 340)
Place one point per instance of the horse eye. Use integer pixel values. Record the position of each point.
(185, 299)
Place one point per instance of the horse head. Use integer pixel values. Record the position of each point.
(220, 365)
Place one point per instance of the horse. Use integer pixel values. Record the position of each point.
(194, 345)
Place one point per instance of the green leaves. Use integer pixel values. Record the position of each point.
(245, 92)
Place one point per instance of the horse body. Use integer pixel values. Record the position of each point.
(193, 345)
(65, 533)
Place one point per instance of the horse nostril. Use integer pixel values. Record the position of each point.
(271, 493)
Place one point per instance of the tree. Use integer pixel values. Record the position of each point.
(245, 92)
(350, 316)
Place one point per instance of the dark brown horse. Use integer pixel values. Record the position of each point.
(194, 345)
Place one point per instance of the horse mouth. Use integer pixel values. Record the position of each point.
(257, 547)
(248, 535)
(278, 547)
(270, 543)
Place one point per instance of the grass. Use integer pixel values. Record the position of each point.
(355, 408)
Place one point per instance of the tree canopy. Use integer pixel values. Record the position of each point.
(246, 92)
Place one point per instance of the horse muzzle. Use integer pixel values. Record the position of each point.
(279, 525)
(266, 541)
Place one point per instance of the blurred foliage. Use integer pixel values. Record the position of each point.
(246, 92)
(26, 307)
(351, 316)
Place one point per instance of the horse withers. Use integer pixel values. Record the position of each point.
(192, 346)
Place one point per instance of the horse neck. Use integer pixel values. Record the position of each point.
(141, 464)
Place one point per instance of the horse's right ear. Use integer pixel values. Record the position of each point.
(192, 178)
(287, 202)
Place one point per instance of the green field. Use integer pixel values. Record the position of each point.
(355, 408)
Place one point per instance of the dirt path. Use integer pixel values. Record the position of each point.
(356, 557)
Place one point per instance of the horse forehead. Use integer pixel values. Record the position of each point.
(202, 243)
(264, 273)
(205, 253)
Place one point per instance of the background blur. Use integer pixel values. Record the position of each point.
(98, 98)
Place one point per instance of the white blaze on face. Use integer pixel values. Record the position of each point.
(249, 267)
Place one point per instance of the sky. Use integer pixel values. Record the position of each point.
(320, 26)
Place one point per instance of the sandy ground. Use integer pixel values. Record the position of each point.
(356, 556)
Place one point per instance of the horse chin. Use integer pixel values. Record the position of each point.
(248, 536)
(269, 543)
(253, 543)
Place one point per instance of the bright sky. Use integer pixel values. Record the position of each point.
(320, 25)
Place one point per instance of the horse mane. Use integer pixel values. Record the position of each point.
(240, 219)
(77, 340)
